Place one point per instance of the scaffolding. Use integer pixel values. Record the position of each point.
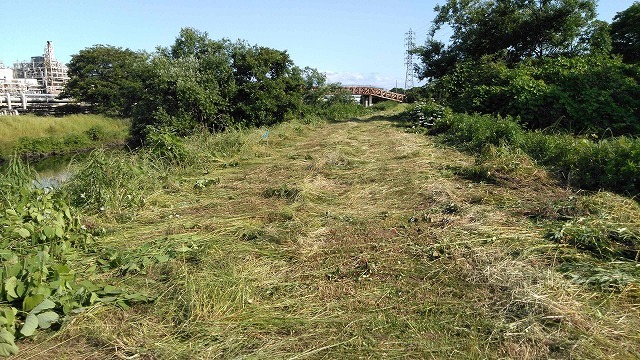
(50, 74)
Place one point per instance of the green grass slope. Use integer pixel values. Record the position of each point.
(30, 135)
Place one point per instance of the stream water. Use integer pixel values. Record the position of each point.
(53, 170)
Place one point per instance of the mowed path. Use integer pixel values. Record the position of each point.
(352, 239)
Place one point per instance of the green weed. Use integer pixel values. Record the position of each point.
(42, 275)
(111, 184)
(586, 163)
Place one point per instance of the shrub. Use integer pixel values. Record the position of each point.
(96, 133)
(110, 184)
(581, 94)
(587, 163)
(427, 113)
(166, 147)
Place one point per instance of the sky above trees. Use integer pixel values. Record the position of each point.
(353, 42)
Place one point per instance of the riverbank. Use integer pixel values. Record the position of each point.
(30, 136)
(340, 240)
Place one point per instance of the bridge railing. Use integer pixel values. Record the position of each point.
(373, 91)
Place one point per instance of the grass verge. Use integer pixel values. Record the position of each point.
(587, 163)
(343, 240)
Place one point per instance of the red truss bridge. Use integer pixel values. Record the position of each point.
(374, 91)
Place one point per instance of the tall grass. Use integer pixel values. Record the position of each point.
(37, 134)
(612, 164)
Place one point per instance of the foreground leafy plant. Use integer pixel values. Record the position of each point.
(42, 277)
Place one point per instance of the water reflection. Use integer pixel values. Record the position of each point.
(52, 171)
(55, 170)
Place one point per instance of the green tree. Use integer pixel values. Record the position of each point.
(269, 86)
(107, 77)
(202, 84)
(316, 89)
(625, 33)
(514, 29)
(598, 38)
(187, 88)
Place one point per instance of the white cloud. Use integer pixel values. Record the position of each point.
(356, 78)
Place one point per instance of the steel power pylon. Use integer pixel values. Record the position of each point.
(410, 44)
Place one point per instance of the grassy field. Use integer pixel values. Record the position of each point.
(354, 239)
(89, 129)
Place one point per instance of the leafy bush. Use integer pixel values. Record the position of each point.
(166, 147)
(202, 84)
(592, 164)
(582, 94)
(96, 133)
(42, 277)
(427, 113)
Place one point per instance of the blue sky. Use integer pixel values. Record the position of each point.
(354, 42)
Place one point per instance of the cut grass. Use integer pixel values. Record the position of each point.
(383, 252)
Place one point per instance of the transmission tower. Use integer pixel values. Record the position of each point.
(410, 44)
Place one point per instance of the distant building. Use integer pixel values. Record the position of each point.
(41, 75)
(6, 75)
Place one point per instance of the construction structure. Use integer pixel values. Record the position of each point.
(37, 82)
(50, 73)
(370, 92)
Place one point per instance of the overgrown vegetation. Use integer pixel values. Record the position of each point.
(585, 162)
(258, 237)
(347, 238)
(45, 276)
(199, 84)
(549, 63)
(37, 136)
(579, 95)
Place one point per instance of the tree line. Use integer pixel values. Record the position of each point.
(196, 84)
(548, 62)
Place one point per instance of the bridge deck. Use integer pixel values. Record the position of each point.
(373, 91)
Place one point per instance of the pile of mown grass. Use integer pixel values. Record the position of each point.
(34, 136)
(342, 240)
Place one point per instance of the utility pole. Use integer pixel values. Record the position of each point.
(409, 42)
